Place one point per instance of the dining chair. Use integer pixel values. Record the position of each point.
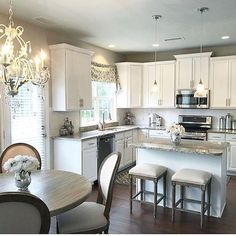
(93, 217)
(23, 213)
(18, 149)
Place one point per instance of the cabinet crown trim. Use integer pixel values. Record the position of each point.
(223, 58)
(204, 54)
(70, 47)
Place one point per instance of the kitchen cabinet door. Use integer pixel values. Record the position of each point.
(130, 75)
(184, 76)
(232, 83)
(219, 83)
(71, 78)
(204, 71)
(67, 155)
(90, 163)
(135, 85)
(119, 147)
(167, 91)
(232, 157)
(128, 151)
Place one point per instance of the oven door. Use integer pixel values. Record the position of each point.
(195, 136)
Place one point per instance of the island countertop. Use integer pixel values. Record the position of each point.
(186, 146)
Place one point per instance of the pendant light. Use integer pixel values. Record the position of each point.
(156, 45)
(200, 89)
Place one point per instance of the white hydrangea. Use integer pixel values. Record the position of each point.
(21, 163)
(176, 129)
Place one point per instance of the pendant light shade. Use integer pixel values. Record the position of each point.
(200, 89)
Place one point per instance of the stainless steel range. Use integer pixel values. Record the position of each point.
(195, 126)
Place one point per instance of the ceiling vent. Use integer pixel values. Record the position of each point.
(175, 39)
(43, 20)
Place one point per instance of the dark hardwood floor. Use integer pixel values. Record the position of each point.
(142, 221)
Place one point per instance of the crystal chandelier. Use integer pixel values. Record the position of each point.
(200, 89)
(16, 65)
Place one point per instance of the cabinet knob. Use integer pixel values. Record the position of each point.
(81, 102)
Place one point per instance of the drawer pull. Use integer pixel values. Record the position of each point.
(91, 144)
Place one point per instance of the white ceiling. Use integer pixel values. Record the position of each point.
(128, 23)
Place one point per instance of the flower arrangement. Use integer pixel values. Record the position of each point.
(21, 163)
(176, 129)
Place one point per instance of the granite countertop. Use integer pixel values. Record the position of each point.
(186, 146)
(224, 131)
(98, 133)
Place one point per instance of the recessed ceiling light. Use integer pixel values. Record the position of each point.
(111, 46)
(155, 45)
(225, 37)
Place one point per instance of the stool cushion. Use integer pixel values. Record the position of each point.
(192, 176)
(147, 170)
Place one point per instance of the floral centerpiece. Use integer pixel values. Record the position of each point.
(22, 165)
(176, 131)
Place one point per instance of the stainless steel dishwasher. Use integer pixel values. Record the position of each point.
(105, 147)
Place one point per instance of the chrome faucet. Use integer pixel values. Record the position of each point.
(101, 125)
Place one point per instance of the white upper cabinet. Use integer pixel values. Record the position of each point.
(130, 75)
(71, 78)
(164, 74)
(188, 70)
(223, 82)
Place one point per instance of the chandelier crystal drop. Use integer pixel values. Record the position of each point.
(16, 65)
(200, 89)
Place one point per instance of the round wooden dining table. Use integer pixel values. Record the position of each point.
(60, 190)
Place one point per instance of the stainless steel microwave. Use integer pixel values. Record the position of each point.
(185, 99)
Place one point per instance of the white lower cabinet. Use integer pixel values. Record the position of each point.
(231, 151)
(76, 156)
(122, 141)
(89, 154)
(231, 138)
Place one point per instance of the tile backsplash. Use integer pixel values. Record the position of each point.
(171, 115)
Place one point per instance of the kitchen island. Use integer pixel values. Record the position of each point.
(207, 156)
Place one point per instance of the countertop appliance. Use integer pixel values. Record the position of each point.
(195, 126)
(105, 147)
(154, 120)
(184, 98)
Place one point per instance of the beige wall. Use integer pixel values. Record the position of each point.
(168, 55)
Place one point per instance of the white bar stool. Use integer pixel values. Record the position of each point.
(148, 172)
(194, 178)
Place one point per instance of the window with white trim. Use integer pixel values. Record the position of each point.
(103, 102)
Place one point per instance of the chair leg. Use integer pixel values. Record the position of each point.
(106, 231)
(131, 193)
(173, 201)
(209, 199)
(202, 205)
(155, 198)
(164, 190)
(182, 189)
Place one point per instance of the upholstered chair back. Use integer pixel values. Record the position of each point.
(23, 213)
(106, 179)
(18, 149)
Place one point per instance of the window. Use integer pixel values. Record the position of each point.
(103, 102)
(27, 121)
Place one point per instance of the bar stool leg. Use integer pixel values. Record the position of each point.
(155, 198)
(142, 189)
(131, 193)
(164, 189)
(202, 205)
(209, 198)
(182, 196)
(173, 202)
